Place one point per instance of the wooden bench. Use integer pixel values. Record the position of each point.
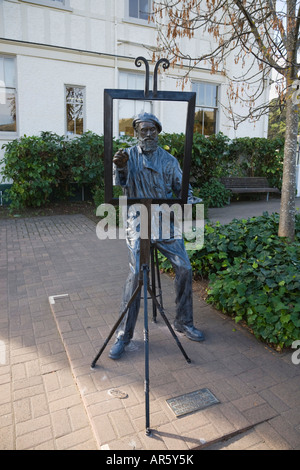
(238, 185)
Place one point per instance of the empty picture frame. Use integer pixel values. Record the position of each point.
(138, 95)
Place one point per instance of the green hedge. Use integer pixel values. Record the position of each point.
(45, 167)
(216, 156)
(259, 157)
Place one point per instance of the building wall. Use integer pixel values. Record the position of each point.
(87, 45)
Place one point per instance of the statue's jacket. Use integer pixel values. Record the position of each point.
(151, 175)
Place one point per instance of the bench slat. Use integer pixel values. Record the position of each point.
(254, 190)
(248, 185)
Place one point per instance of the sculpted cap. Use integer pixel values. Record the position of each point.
(147, 117)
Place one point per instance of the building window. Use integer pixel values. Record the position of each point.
(206, 107)
(61, 4)
(75, 112)
(128, 109)
(140, 9)
(8, 111)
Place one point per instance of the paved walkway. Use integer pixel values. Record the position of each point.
(245, 209)
(60, 290)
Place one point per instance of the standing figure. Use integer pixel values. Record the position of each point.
(146, 171)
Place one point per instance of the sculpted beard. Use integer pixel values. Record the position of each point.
(148, 144)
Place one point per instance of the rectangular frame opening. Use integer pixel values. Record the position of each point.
(173, 96)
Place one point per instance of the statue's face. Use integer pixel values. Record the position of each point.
(147, 134)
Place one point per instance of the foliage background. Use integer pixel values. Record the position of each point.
(47, 167)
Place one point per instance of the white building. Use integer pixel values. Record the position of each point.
(57, 57)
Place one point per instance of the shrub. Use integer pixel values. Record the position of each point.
(254, 276)
(214, 193)
(43, 168)
(33, 163)
(259, 157)
(47, 166)
(174, 144)
(84, 157)
(210, 157)
(216, 156)
(264, 294)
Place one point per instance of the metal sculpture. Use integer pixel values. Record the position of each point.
(141, 191)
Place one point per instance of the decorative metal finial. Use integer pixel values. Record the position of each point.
(138, 63)
(166, 65)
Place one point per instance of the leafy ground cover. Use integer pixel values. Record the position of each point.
(254, 276)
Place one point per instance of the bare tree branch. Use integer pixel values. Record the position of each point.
(239, 30)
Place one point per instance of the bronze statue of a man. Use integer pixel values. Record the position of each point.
(147, 171)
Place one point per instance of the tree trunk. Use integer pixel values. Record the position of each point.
(287, 209)
(288, 194)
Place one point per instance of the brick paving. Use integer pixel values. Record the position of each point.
(60, 291)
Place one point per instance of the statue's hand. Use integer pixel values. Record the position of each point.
(120, 158)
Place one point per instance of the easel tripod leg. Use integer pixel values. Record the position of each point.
(146, 341)
(116, 325)
(158, 278)
(153, 281)
(161, 311)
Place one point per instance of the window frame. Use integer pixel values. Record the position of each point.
(206, 107)
(9, 135)
(83, 87)
(51, 4)
(134, 19)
